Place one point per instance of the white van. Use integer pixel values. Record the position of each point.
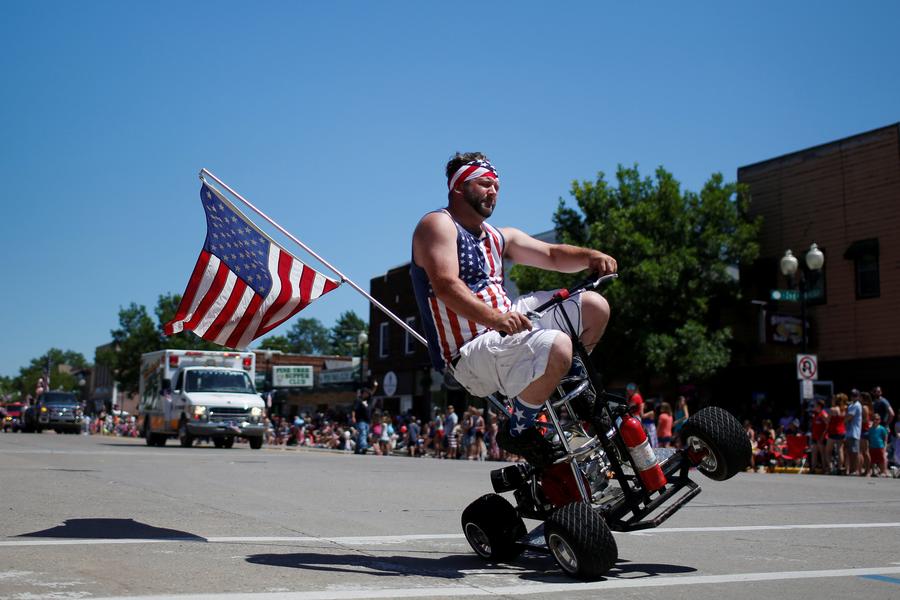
(200, 393)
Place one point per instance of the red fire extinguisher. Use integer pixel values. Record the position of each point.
(644, 458)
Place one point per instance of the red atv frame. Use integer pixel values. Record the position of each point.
(593, 487)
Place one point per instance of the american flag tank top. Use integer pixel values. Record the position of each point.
(481, 269)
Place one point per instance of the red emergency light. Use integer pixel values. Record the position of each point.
(173, 361)
(247, 363)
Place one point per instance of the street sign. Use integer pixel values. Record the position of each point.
(390, 383)
(785, 295)
(813, 294)
(794, 295)
(338, 376)
(808, 389)
(292, 376)
(807, 366)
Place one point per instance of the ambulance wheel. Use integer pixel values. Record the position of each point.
(255, 442)
(492, 526)
(716, 443)
(580, 541)
(185, 438)
(218, 442)
(228, 442)
(149, 438)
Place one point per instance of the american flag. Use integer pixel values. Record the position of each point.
(244, 284)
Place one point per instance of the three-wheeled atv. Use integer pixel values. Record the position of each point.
(603, 477)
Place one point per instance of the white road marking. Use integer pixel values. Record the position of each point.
(521, 590)
(763, 528)
(377, 540)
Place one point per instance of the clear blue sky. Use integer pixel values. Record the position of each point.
(337, 118)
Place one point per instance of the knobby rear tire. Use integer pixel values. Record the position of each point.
(716, 431)
(580, 541)
(492, 526)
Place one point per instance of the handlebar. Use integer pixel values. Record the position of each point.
(591, 283)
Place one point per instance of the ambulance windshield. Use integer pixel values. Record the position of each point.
(209, 380)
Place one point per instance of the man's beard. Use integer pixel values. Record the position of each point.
(476, 203)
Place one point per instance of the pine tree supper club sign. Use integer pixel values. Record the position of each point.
(287, 376)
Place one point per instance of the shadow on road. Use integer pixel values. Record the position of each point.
(112, 529)
(529, 566)
(447, 567)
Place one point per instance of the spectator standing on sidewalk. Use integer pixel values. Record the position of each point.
(664, 425)
(412, 438)
(882, 406)
(896, 451)
(385, 436)
(362, 416)
(867, 412)
(681, 415)
(837, 429)
(853, 423)
(635, 400)
(450, 423)
(818, 438)
(878, 437)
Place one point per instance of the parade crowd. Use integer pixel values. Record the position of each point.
(849, 434)
(855, 434)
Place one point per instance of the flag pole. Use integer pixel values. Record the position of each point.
(306, 248)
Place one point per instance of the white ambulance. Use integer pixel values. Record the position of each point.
(188, 394)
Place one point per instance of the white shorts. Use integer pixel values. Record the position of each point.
(491, 363)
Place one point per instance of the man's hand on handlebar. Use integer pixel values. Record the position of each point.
(512, 322)
(603, 264)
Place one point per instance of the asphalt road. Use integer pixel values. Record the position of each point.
(103, 517)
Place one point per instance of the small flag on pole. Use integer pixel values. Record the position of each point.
(244, 284)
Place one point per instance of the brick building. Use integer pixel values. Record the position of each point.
(843, 196)
(331, 386)
(396, 356)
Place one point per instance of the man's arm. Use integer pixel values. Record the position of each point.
(564, 258)
(434, 249)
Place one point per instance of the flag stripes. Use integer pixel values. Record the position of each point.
(244, 284)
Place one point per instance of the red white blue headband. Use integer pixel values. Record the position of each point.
(471, 170)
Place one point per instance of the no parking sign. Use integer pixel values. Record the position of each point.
(807, 367)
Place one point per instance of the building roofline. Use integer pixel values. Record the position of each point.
(858, 137)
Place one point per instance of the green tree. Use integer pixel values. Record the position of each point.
(276, 342)
(64, 367)
(137, 334)
(309, 336)
(676, 252)
(7, 388)
(344, 335)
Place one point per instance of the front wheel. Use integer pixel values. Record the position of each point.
(186, 439)
(716, 443)
(580, 541)
(492, 526)
(255, 442)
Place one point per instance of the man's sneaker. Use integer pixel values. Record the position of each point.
(530, 445)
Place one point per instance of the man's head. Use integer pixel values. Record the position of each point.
(876, 392)
(473, 179)
(854, 395)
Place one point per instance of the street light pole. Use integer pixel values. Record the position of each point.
(362, 338)
(815, 260)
